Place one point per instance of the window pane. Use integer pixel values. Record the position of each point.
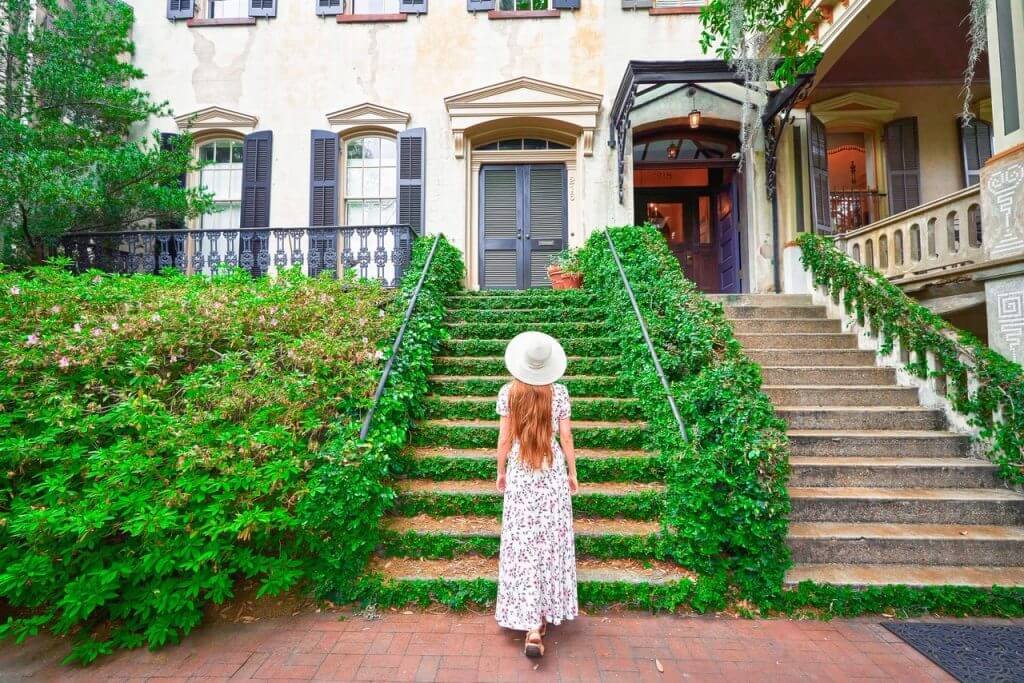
(516, 144)
(388, 181)
(375, 7)
(388, 152)
(223, 153)
(705, 221)
(206, 152)
(236, 152)
(354, 212)
(387, 212)
(371, 182)
(229, 9)
(371, 151)
(354, 182)
(371, 212)
(534, 143)
(354, 153)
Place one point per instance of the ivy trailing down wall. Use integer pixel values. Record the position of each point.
(896, 317)
(164, 438)
(726, 504)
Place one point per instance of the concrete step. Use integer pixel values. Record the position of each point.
(799, 340)
(904, 574)
(862, 417)
(806, 312)
(894, 472)
(761, 300)
(786, 325)
(483, 407)
(528, 315)
(490, 454)
(881, 444)
(490, 527)
(925, 544)
(471, 568)
(906, 505)
(811, 358)
(836, 375)
(481, 487)
(818, 395)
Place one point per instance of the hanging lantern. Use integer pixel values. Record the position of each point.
(695, 119)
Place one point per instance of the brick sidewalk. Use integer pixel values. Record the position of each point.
(468, 647)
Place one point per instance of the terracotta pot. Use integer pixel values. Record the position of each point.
(560, 280)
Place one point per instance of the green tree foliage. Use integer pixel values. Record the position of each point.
(68, 111)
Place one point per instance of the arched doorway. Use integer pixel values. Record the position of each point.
(686, 182)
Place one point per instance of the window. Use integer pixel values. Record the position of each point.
(675, 4)
(523, 5)
(520, 144)
(375, 6)
(229, 9)
(222, 176)
(371, 177)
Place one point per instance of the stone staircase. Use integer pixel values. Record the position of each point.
(446, 520)
(882, 491)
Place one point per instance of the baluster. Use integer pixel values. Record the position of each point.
(149, 253)
(232, 247)
(213, 259)
(297, 257)
(263, 256)
(179, 251)
(330, 253)
(348, 257)
(280, 258)
(936, 375)
(380, 254)
(364, 252)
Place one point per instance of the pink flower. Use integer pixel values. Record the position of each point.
(96, 331)
(366, 340)
(273, 322)
(32, 340)
(15, 290)
(55, 310)
(379, 355)
(115, 327)
(77, 327)
(64, 362)
(96, 280)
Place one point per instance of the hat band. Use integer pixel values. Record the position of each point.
(536, 364)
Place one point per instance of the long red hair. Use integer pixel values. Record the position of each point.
(530, 412)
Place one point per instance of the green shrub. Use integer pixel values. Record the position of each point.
(895, 316)
(165, 437)
(726, 502)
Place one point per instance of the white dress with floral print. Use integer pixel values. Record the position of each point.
(537, 566)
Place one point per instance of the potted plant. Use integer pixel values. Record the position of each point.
(564, 270)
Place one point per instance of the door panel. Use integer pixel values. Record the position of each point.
(729, 257)
(688, 222)
(523, 223)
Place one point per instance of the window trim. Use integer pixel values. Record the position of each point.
(524, 14)
(194, 178)
(202, 17)
(343, 141)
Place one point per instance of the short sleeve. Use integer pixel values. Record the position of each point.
(503, 400)
(561, 409)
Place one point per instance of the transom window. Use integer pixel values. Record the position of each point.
(523, 5)
(221, 175)
(677, 148)
(371, 178)
(375, 6)
(229, 9)
(520, 144)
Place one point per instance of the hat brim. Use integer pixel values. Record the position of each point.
(515, 360)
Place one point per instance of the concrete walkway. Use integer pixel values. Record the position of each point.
(405, 646)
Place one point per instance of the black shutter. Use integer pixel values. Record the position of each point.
(637, 4)
(479, 5)
(412, 170)
(323, 178)
(325, 7)
(181, 9)
(817, 162)
(413, 6)
(257, 154)
(903, 160)
(262, 8)
(500, 229)
(565, 4)
(976, 144)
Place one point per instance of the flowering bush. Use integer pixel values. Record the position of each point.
(163, 437)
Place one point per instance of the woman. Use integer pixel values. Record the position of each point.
(537, 566)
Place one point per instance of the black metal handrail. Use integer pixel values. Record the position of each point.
(398, 342)
(647, 340)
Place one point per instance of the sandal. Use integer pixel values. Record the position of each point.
(534, 645)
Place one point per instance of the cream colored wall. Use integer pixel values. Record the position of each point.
(291, 71)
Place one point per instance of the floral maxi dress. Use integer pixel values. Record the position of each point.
(537, 565)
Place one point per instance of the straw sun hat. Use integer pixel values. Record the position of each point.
(535, 358)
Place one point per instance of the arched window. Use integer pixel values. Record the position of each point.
(684, 146)
(520, 144)
(221, 175)
(371, 180)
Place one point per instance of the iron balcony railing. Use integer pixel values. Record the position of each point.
(379, 252)
(852, 209)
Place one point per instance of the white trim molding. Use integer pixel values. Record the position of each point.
(368, 115)
(217, 118)
(856, 106)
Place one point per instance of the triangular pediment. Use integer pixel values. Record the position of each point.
(368, 113)
(522, 91)
(856, 105)
(215, 117)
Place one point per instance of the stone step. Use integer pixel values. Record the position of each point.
(882, 444)
(526, 315)
(893, 472)
(484, 434)
(472, 568)
(798, 340)
(785, 325)
(508, 329)
(485, 487)
(925, 544)
(818, 395)
(906, 505)
(811, 358)
(490, 454)
(574, 346)
(761, 300)
(521, 301)
(483, 407)
(490, 527)
(593, 465)
(861, 417)
(805, 312)
(579, 386)
(495, 365)
(836, 375)
(905, 574)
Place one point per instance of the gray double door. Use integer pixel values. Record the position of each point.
(523, 223)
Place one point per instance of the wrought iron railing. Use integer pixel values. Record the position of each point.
(378, 252)
(852, 209)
